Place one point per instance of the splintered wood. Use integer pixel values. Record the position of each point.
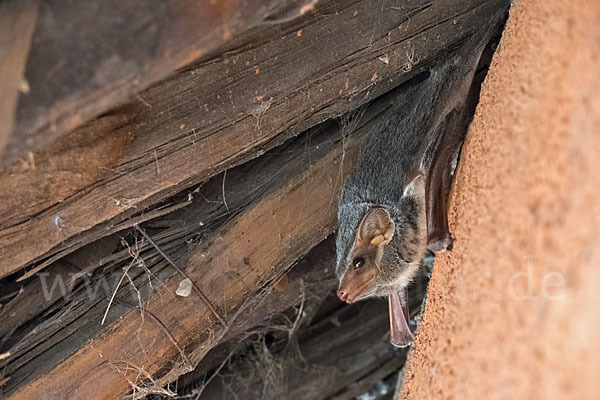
(92, 179)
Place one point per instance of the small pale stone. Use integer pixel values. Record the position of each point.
(185, 288)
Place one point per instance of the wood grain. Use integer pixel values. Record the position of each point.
(216, 115)
(86, 59)
(235, 261)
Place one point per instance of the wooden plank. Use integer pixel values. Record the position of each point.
(17, 23)
(175, 233)
(219, 114)
(236, 260)
(120, 48)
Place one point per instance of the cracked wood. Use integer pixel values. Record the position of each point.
(221, 113)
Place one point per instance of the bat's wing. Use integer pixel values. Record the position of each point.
(400, 334)
(457, 98)
(436, 168)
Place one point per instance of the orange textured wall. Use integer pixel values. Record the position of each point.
(514, 311)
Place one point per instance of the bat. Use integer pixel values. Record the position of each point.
(393, 205)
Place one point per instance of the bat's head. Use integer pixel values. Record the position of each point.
(388, 246)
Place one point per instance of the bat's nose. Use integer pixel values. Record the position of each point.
(344, 296)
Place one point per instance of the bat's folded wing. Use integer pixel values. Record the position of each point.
(400, 334)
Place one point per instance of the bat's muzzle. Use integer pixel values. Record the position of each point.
(344, 295)
(356, 287)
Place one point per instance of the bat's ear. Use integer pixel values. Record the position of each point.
(416, 187)
(376, 227)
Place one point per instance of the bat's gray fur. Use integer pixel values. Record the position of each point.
(394, 149)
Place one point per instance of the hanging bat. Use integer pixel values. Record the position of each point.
(394, 203)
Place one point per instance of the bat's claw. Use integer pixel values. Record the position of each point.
(440, 241)
(402, 342)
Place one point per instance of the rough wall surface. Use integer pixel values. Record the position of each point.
(513, 311)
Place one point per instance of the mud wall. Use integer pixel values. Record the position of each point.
(513, 311)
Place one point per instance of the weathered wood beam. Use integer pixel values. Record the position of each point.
(218, 114)
(205, 211)
(254, 245)
(85, 60)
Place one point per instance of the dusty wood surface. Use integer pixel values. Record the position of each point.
(214, 115)
(17, 20)
(120, 49)
(273, 219)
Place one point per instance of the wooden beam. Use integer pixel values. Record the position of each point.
(255, 241)
(216, 115)
(85, 60)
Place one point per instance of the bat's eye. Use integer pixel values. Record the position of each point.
(358, 262)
